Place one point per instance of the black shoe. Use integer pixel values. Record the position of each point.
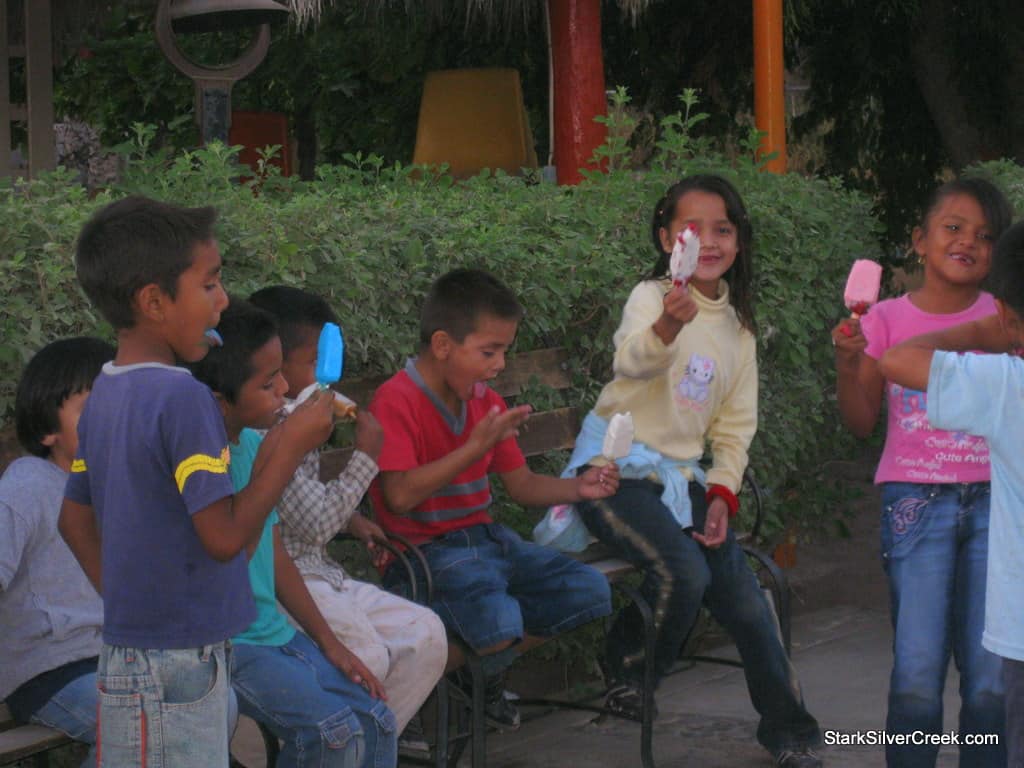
(499, 711)
(627, 701)
(800, 757)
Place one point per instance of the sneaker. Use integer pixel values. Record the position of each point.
(627, 701)
(499, 709)
(412, 742)
(801, 757)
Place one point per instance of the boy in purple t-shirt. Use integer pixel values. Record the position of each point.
(149, 510)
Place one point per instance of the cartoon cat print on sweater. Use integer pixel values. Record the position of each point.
(695, 387)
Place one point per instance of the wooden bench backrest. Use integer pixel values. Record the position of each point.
(544, 431)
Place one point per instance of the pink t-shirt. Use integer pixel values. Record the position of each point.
(914, 452)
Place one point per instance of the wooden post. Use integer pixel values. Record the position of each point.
(578, 66)
(770, 81)
(42, 151)
(6, 168)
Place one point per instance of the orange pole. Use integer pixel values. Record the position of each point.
(770, 81)
(578, 68)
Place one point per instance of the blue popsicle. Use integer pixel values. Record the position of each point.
(330, 353)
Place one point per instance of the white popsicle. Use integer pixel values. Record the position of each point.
(685, 255)
(619, 438)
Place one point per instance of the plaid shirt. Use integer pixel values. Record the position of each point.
(313, 512)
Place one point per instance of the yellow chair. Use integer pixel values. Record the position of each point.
(474, 119)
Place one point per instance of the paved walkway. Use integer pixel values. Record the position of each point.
(841, 654)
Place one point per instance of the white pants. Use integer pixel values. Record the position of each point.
(403, 644)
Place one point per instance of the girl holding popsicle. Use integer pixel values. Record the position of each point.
(686, 369)
(934, 484)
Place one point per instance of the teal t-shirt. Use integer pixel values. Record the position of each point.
(270, 627)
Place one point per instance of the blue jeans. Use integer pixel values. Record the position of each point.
(934, 550)
(491, 587)
(163, 708)
(321, 716)
(72, 710)
(680, 575)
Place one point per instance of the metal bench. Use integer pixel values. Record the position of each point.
(18, 742)
(550, 430)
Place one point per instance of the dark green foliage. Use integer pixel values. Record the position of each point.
(371, 238)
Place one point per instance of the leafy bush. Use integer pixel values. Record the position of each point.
(371, 238)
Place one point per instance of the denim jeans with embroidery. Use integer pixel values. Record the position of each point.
(680, 575)
(163, 708)
(322, 718)
(934, 550)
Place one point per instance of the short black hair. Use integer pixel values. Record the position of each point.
(1007, 275)
(245, 329)
(133, 242)
(457, 299)
(55, 373)
(297, 311)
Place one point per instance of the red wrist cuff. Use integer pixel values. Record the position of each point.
(723, 493)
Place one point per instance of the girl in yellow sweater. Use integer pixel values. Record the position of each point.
(686, 369)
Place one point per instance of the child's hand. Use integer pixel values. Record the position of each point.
(497, 426)
(716, 525)
(369, 434)
(849, 342)
(678, 309)
(369, 533)
(310, 424)
(354, 669)
(598, 482)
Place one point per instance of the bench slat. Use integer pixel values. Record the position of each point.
(550, 366)
(27, 740)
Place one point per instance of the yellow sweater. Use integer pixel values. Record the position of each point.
(703, 386)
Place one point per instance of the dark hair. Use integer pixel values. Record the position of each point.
(55, 373)
(740, 275)
(458, 298)
(134, 242)
(994, 205)
(298, 313)
(1007, 275)
(245, 328)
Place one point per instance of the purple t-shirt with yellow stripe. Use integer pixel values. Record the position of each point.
(152, 451)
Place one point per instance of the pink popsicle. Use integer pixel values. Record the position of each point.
(862, 286)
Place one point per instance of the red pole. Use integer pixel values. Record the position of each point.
(770, 81)
(578, 65)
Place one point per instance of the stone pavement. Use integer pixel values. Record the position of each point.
(842, 655)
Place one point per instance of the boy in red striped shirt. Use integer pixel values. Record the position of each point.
(445, 431)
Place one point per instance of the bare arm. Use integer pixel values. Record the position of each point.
(909, 363)
(404, 491)
(294, 596)
(77, 526)
(859, 382)
(230, 524)
(528, 488)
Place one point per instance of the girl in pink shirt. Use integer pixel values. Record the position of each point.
(934, 484)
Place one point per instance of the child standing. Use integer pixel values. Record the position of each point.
(149, 510)
(934, 483)
(403, 643)
(686, 369)
(307, 688)
(445, 431)
(984, 395)
(51, 614)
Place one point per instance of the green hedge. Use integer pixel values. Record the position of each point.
(371, 239)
